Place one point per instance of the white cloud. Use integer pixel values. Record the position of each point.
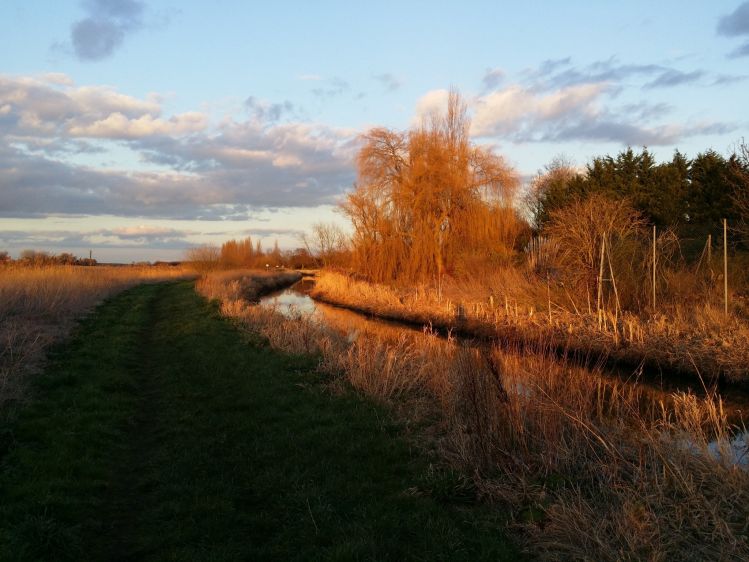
(200, 170)
(430, 103)
(515, 108)
(118, 126)
(572, 105)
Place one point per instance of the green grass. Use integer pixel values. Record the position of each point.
(161, 433)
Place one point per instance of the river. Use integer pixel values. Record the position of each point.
(295, 300)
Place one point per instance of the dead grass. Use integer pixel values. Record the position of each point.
(698, 340)
(590, 468)
(38, 306)
(243, 284)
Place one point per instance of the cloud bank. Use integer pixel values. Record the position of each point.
(560, 102)
(188, 168)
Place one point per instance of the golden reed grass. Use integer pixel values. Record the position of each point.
(694, 340)
(590, 468)
(38, 306)
(244, 284)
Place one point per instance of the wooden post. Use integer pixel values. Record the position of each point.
(654, 254)
(725, 266)
(710, 251)
(600, 274)
(613, 284)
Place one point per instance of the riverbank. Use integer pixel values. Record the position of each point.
(245, 284)
(701, 344)
(586, 466)
(161, 433)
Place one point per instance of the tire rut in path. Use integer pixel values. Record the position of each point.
(125, 500)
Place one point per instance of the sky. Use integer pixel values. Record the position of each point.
(136, 129)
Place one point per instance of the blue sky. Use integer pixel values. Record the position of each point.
(139, 128)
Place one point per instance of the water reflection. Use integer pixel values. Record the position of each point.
(290, 302)
(294, 301)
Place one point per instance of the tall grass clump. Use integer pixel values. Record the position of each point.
(594, 470)
(39, 304)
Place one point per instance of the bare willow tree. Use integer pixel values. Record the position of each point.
(428, 197)
(204, 258)
(593, 234)
(326, 242)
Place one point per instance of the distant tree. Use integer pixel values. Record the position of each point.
(300, 258)
(664, 201)
(4, 257)
(427, 198)
(327, 242)
(237, 253)
(274, 257)
(691, 195)
(36, 258)
(551, 188)
(739, 178)
(66, 258)
(579, 231)
(709, 198)
(204, 258)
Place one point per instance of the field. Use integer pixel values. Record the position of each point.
(160, 432)
(39, 306)
(180, 420)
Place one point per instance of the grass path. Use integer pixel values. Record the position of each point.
(161, 433)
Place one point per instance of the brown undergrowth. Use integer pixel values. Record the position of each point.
(590, 469)
(697, 341)
(39, 304)
(244, 284)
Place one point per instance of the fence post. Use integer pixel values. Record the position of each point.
(725, 266)
(600, 274)
(654, 257)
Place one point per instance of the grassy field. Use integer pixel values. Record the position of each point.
(39, 306)
(162, 433)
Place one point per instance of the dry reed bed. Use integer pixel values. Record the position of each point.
(244, 284)
(38, 306)
(588, 468)
(695, 341)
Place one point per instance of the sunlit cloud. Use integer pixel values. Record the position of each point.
(203, 170)
(558, 102)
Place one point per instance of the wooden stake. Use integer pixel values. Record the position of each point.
(600, 273)
(725, 266)
(613, 284)
(654, 254)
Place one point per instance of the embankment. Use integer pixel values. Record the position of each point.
(698, 345)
